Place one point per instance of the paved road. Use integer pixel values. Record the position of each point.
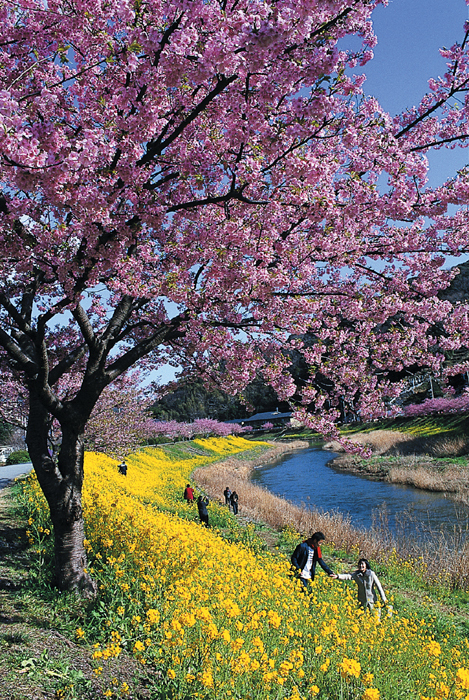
(10, 472)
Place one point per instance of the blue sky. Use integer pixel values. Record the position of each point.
(410, 34)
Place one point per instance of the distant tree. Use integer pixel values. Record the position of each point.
(121, 419)
(191, 399)
(5, 432)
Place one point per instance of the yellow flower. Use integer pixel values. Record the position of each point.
(367, 678)
(325, 665)
(212, 631)
(139, 646)
(79, 633)
(462, 678)
(232, 609)
(442, 690)
(187, 620)
(274, 619)
(206, 679)
(349, 668)
(171, 674)
(371, 694)
(153, 616)
(432, 648)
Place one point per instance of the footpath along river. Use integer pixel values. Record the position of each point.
(305, 479)
(8, 473)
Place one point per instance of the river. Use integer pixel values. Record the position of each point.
(304, 478)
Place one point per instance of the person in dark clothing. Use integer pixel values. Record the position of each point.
(189, 494)
(202, 503)
(227, 495)
(234, 502)
(122, 468)
(305, 557)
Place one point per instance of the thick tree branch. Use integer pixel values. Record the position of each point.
(155, 148)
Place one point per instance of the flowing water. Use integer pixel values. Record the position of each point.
(304, 478)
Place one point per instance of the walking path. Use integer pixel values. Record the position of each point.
(11, 471)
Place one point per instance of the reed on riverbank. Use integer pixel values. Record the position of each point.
(430, 462)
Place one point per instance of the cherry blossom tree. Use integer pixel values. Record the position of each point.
(202, 427)
(121, 420)
(203, 182)
(455, 404)
(119, 423)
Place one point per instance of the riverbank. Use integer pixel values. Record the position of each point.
(258, 505)
(433, 463)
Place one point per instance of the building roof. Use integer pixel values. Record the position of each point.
(269, 415)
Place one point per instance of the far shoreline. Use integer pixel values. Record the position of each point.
(418, 470)
(397, 459)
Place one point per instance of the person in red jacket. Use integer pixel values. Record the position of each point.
(189, 494)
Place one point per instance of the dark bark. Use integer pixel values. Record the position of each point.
(62, 486)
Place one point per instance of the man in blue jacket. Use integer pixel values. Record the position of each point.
(305, 557)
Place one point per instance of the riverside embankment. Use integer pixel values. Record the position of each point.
(175, 596)
(308, 478)
(431, 463)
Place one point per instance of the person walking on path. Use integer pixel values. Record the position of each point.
(202, 503)
(234, 502)
(227, 495)
(368, 583)
(189, 494)
(305, 557)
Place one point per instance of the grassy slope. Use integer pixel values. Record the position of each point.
(38, 655)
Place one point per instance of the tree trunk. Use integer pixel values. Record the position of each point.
(62, 486)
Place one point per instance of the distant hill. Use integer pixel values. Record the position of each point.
(191, 400)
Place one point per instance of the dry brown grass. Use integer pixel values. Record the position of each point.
(421, 462)
(391, 442)
(379, 441)
(451, 480)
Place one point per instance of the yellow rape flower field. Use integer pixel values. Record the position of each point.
(211, 619)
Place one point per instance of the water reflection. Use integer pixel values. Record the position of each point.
(304, 479)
